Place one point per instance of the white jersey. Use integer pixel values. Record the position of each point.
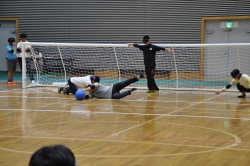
(27, 54)
(81, 82)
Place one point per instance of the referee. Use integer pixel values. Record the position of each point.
(149, 51)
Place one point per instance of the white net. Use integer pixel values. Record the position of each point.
(190, 67)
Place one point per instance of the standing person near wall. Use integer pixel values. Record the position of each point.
(149, 51)
(11, 60)
(27, 53)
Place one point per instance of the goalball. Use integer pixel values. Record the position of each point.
(80, 94)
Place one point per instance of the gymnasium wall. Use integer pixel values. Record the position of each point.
(117, 21)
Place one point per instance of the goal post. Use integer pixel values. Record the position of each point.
(189, 67)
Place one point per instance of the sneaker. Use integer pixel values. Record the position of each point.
(65, 92)
(59, 90)
(141, 75)
(242, 96)
(154, 91)
(133, 89)
(11, 83)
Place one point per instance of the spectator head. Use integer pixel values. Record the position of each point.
(11, 40)
(57, 155)
(23, 37)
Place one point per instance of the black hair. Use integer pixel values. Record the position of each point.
(56, 155)
(11, 40)
(235, 73)
(95, 78)
(23, 35)
(145, 39)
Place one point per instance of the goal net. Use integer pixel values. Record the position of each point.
(190, 67)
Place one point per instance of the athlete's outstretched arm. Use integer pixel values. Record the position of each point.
(135, 45)
(224, 89)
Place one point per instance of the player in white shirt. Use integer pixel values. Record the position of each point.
(243, 83)
(27, 53)
(76, 83)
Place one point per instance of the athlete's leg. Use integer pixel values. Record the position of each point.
(72, 88)
(150, 76)
(155, 87)
(118, 95)
(242, 89)
(120, 85)
(20, 62)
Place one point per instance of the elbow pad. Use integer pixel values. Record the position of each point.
(27, 50)
(18, 50)
(228, 86)
(91, 86)
(12, 51)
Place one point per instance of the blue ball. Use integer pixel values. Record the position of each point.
(80, 94)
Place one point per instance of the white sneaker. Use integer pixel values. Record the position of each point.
(32, 81)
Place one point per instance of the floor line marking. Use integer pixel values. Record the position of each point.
(135, 126)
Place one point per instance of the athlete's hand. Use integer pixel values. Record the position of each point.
(27, 50)
(19, 50)
(167, 49)
(130, 44)
(218, 92)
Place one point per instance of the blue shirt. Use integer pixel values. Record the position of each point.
(9, 54)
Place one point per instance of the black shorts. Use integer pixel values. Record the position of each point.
(11, 64)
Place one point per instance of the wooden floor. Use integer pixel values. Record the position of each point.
(184, 128)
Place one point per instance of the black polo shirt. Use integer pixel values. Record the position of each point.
(149, 52)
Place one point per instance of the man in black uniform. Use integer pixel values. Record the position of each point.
(149, 51)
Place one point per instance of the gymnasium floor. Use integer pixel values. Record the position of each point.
(169, 128)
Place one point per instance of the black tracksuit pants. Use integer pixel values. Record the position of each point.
(150, 72)
(120, 85)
